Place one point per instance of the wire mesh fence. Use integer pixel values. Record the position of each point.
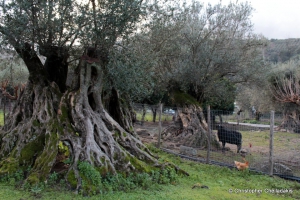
(245, 132)
(250, 133)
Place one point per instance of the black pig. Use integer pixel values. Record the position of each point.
(232, 137)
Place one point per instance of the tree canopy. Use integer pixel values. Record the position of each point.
(203, 50)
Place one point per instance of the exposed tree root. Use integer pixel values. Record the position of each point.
(47, 128)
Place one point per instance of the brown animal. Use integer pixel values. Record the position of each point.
(242, 166)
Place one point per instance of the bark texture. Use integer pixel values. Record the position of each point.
(291, 121)
(54, 129)
(121, 111)
(190, 128)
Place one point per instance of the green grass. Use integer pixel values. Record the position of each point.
(219, 180)
(283, 140)
(1, 118)
(286, 148)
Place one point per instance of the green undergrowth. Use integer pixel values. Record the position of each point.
(92, 182)
(205, 182)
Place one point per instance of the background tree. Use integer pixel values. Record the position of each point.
(13, 74)
(218, 51)
(219, 47)
(157, 45)
(12, 68)
(280, 51)
(202, 53)
(285, 89)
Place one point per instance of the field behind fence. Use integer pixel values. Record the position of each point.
(283, 154)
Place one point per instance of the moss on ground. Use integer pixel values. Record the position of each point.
(140, 166)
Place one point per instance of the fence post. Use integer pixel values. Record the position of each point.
(271, 161)
(159, 123)
(143, 114)
(208, 134)
(4, 110)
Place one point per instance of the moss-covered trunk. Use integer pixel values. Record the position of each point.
(55, 130)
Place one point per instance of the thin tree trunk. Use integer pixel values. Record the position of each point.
(159, 124)
(143, 115)
(154, 111)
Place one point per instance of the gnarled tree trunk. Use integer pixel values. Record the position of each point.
(48, 118)
(190, 128)
(290, 121)
(121, 111)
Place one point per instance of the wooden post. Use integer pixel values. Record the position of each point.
(208, 135)
(143, 114)
(159, 123)
(271, 161)
(4, 110)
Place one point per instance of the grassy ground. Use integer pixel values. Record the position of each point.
(286, 148)
(1, 118)
(222, 184)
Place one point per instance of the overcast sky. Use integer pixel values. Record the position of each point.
(277, 19)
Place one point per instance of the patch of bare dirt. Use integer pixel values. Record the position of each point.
(148, 133)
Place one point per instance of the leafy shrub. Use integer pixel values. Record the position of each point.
(14, 178)
(52, 179)
(37, 189)
(90, 174)
(121, 182)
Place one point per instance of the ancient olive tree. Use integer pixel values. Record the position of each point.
(284, 85)
(217, 51)
(59, 118)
